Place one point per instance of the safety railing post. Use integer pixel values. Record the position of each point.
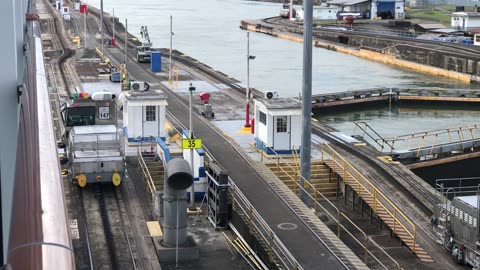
(366, 249)
(323, 162)
(375, 201)
(296, 189)
(394, 220)
(250, 221)
(233, 197)
(414, 239)
(338, 223)
(278, 164)
(270, 248)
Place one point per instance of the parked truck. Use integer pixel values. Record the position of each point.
(143, 51)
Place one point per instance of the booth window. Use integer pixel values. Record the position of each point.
(263, 118)
(150, 113)
(281, 124)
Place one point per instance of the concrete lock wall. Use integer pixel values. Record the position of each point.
(430, 61)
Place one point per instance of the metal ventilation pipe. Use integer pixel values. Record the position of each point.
(179, 178)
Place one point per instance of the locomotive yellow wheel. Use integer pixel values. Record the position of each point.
(116, 179)
(82, 180)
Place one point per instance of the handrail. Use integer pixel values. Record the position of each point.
(430, 139)
(338, 216)
(146, 173)
(306, 182)
(256, 222)
(351, 172)
(365, 132)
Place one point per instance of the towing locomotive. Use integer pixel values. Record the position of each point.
(455, 223)
(91, 139)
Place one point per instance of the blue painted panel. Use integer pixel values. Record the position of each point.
(165, 148)
(386, 6)
(156, 61)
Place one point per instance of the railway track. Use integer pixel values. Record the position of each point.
(107, 228)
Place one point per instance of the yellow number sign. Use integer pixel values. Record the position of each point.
(191, 143)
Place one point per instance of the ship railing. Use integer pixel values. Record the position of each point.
(322, 204)
(40, 235)
(352, 177)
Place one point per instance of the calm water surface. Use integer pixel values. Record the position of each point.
(209, 31)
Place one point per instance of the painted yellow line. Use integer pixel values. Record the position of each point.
(154, 228)
(228, 136)
(387, 159)
(360, 144)
(244, 130)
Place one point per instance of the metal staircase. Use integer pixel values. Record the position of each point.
(321, 178)
(381, 205)
(152, 170)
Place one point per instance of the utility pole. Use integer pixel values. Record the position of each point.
(113, 26)
(247, 91)
(126, 45)
(305, 150)
(190, 134)
(101, 22)
(291, 10)
(170, 60)
(85, 25)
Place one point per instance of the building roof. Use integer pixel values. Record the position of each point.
(428, 26)
(283, 104)
(466, 14)
(150, 94)
(347, 2)
(445, 31)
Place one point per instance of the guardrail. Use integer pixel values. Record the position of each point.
(256, 224)
(337, 216)
(352, 176)
(378, 139)
(430, 139)
(146, 174)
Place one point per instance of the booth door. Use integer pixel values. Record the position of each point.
(281, 133)
(150, 121)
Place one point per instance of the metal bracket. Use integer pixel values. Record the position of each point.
(20, 89)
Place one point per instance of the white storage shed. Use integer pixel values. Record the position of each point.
(277, 125)
(143, 118)
(465, 20)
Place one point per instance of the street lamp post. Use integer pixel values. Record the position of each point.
(170, 56)
(190, 135)
(247, 92)
(101, 23)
